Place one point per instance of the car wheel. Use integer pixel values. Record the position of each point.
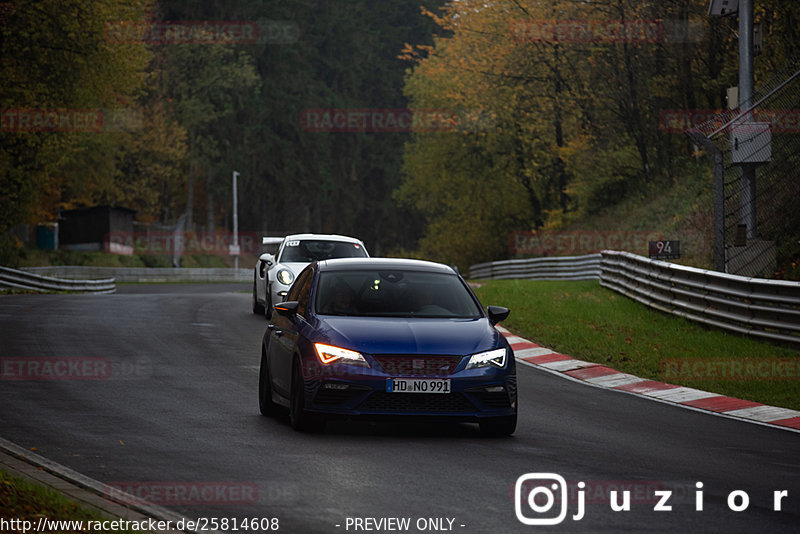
(258, 309)
(499, 426)
(299, 418)
(265, 404)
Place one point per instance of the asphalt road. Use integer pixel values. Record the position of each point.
(171, 409)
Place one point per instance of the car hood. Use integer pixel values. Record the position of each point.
(377, 335)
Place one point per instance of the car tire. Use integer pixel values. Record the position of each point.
(499, 426)
(300, 419)
(258, 308)
(265, 404)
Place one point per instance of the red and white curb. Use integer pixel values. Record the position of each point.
(529, 353)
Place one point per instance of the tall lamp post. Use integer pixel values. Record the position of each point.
(747, 170)
(747, 199)
(750, 140)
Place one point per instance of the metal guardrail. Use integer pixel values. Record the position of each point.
(753, 306)
(548, 268)
(24, 280)
(147, 274)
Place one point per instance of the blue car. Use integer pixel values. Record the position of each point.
(382, 337)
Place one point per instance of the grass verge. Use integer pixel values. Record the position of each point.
(589, 322)
(27, 501)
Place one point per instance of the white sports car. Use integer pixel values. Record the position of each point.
(274, 274)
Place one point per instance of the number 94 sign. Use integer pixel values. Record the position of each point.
(664, 250)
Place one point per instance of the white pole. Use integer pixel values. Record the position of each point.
(235, 223)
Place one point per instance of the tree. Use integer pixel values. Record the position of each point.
(54, 56)
(577, 91)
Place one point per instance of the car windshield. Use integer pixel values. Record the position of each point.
(394, 293)
(308, 250)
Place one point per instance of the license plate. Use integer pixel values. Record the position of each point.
(418, 385)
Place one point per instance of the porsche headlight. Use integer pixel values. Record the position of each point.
(496, 358)
(285, 277)
(329, 354)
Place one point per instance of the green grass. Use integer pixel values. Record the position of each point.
(589, 322)
(25, 500)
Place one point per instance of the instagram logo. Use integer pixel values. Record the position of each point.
(539, 492)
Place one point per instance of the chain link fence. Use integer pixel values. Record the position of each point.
(756, 160)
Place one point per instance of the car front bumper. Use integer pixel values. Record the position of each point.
(349, 390)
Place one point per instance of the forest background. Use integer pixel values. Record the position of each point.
(548, 130)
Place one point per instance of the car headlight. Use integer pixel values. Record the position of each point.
(329, 354)
(495, 357)
(285, 277)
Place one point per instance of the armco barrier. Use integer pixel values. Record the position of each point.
(548, 268)
(25, 280)
(147, 274)
(753, 306)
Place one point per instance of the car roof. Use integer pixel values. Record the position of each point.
(403, 264)
(325, 237)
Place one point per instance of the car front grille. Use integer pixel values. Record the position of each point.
(381, 401)
(417, 364)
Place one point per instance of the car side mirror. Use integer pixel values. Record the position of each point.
(287, 309)
(269, 259)
(497, 314)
